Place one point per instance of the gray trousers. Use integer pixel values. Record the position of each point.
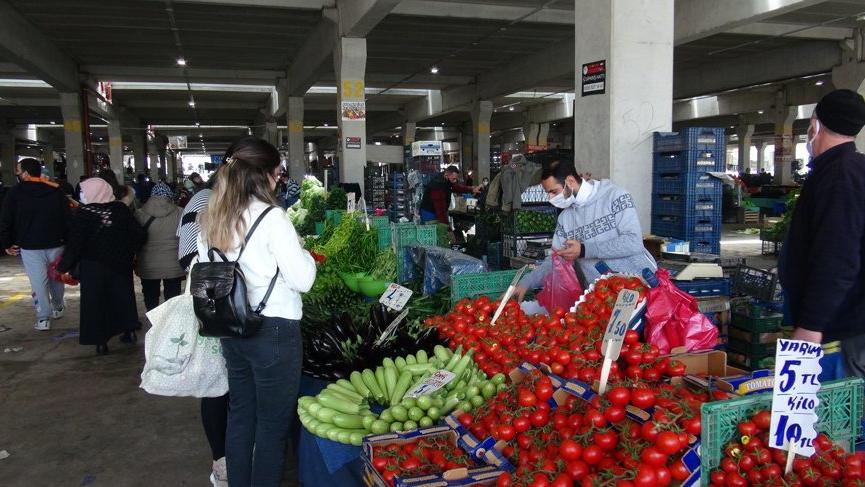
(47, 293)
(854, 355)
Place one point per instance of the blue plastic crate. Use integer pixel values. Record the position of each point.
(696, 183)
(689, 160)
(703, 288)
(697, 138)
(674, 204)
(706, 247)
(698, 224)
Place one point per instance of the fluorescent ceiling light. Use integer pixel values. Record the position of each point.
(181, 61)
(192, 103)
(434, 70)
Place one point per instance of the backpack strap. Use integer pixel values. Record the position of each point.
(270, 287)
(252, 229)
(148, 223)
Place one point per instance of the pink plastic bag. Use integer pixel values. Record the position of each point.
(674, 320)
(561, 287)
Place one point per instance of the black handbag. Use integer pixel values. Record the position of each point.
(219, 295)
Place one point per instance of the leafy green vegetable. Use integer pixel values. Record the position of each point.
(336, 199)
(384, 268)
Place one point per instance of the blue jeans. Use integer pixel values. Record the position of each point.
(47, 293)
(263, 383)
(428, 216)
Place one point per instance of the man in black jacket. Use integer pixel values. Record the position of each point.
(33, 224)
(822, 264)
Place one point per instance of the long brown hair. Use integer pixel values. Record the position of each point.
(248, 164)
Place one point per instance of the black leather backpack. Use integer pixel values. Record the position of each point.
(219, 294)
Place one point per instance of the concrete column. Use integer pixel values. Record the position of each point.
(543, 134)
(139, 151)
(530, 132)
(271, 133)
(482, 112)
(784, 117)
(349, 59)
(73, 132)
(409, 131)
(115, 148)
(613, 131)
(8, 159)
(153, 156)
(48, 159)
(745, 132)
(171, 163)
(851, 76)
(296, 149)
(760, 146)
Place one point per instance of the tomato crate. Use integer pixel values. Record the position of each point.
(839, 413)
(492, 284)
(691, 138)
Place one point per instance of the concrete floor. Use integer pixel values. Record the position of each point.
(71, 418)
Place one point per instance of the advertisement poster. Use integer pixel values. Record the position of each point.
(595, 78)
(426, 148)
(177, 142)
(353, 111)
(352, 142)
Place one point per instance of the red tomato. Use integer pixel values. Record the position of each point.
(747, 428)
(562, 480)
(678, 470)
(654, 457)
(540, 480)
(643, 398)
(692, 425)
(614, 414)
(631, 337)
(606, 440)
(619, 396)
(379, 463)
(506, 432)
(675, 368)
(668, 442)
(645, 477)
(592, 455)
(570, 450)
(577, 469)
(663, 476)
(649, 431)
(763, 420)
(521, 424)
(718, 477)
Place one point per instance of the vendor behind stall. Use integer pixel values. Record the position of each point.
(437, 195)
(821, 264)
(598, 223)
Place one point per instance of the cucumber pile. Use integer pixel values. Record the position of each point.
(341, 412)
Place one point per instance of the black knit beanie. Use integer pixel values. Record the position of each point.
(842, 111)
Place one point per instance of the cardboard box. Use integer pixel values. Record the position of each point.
(756, 382)
(488, 468)
(717, 309)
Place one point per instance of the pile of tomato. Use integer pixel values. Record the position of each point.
(751, 461)
(428, 455)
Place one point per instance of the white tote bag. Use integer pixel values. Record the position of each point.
(179, 362)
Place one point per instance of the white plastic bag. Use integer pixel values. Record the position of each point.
(179, 362)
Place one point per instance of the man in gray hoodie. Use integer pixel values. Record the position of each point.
(598, 222)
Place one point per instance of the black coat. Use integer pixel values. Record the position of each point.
(35, 215)
(821, 263)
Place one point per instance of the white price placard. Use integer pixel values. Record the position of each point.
(794, 398)
(350, 203)
(395, 296)
(432, 383)
(623, 311)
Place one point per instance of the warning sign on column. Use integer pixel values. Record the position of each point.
(595, 78)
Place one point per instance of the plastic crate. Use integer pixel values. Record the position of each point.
(749, 337)
(703, 288)
(410, 234)
(755, 351)
(674, 204)
(333, 216)
(839, 413)
(491, 284)
(746, 361)
(758, 283)
(689, 160)
(706, 247)
(696, 138)
(515, 245)
(767, 323)
(384, 238)
(687, 227)
(515, 223)
(694, 183)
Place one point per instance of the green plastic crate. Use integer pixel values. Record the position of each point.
(333, 216)
(840, 413)
(379, 221)
(410, 235)
(755, 337)
(319, 227)
(768, 323)
(491, 284)
(384, 241)
(756, 351)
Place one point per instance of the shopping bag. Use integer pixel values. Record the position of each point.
(179, 362)
(674, 320)
(561, 286)
(55, 275)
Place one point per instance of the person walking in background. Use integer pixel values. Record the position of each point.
(156, 262)
(33, 224)
(822, 262)
(122, 193)
(437, 195)
(143, 187)
(103, 239)
(263, 370)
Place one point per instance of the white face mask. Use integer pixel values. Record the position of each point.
(561, 201)
(809, 145)
(583, 193)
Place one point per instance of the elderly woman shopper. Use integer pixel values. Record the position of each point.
(103, 240)
(157, 264)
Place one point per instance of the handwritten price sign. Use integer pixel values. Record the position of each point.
(623, 311)
(395, 296)
(432, 383)
(794, 399)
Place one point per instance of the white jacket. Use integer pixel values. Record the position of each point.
(274, 244)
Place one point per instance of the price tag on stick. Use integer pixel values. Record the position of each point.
(432, 383)
(794, 397)
(391, 327)
(508, 294)
(623, 311)
(395, 296)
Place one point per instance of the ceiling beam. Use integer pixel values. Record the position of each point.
(477, 11)
(358, 17)
(794, 31)
(312, 57)
(23, 44)
(763, 67)
(748, 104)
(291, 4)
(696, 19)
(175, 74)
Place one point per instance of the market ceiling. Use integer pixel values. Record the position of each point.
(519, 53)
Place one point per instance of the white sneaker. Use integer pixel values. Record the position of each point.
(58, 313)
(42, 325)
(219, 475)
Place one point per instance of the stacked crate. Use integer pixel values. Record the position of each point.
(757, 319)
(375, 185)
(400, 197)
(686, 200)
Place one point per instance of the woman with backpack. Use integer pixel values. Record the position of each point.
(103, 239)
(263, 369)
(156, 260)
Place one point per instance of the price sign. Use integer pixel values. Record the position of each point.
(350, 203)
(623, 311)
(794, 398)
(431, 384)
(391, 327)
(395, 296)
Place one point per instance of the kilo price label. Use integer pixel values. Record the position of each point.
(794, 397)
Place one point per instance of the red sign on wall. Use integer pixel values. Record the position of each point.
(594, 78)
